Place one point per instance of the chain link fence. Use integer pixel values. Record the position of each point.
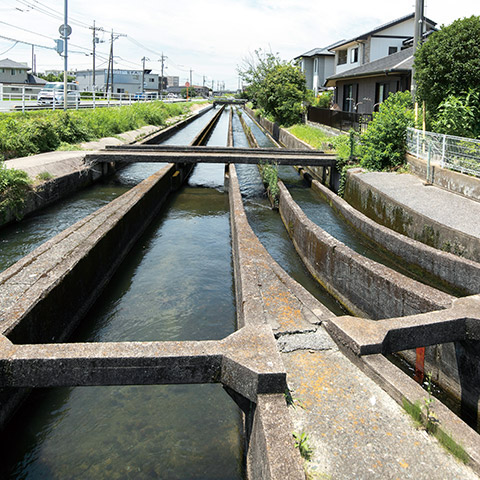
(456, 153)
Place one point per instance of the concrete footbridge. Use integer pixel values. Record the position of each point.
(201, 154)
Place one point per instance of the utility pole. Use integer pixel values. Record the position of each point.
(65, 31)
(110, 61)
(417, 37)
(95, 40)
(191, 84)
(143, 74)
(163, 58)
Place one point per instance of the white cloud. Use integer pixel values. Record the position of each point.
(210, 37)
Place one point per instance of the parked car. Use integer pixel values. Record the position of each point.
(52, 92)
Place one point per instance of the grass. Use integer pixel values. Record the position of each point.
(44, 176)
(301, 442)
(29, 133)
(315, 137)
(424, 421)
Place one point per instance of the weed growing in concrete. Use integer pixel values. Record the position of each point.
(430, 423)
(269, 174)
(301, 442)
(292, 402)
(45, 176)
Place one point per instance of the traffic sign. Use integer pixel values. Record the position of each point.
(62, 29)
(187, 84)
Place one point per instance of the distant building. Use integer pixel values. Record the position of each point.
(317, 65)
(12, 72)
(124, 81)
(173, 81)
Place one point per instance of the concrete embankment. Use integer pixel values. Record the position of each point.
(425, 213)
(68, 171)
(451, 269)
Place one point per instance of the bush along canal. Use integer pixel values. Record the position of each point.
(176, 284)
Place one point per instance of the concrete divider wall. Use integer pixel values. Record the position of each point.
(270, 452)
(385, 210)
(451, 269)
(457, 182)
(67, 273)
(365, 287)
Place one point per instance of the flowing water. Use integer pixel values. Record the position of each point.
(177, 284)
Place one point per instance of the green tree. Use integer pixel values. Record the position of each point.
(449, 62)
(191, 92)
(383, 145)
(51, 77)
(458, 115)
(277, 86)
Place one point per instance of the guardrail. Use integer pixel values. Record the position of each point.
(340, 120)
(456, 153)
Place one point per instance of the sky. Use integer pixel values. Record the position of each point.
(209, 37)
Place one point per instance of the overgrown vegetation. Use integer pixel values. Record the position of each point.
(269, 173)
(383, 144)
(14, 186)
(301, 442)
(315, 137)
(23, 134)
(451, 87)
(275, 86)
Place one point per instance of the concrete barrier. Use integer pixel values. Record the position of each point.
(452, 270)
(385, 210)
(450, 180)
(365, 287)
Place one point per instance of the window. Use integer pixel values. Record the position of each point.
(392, 50)
(315, 66)
(152, 80)
(342, 57)
(13, 71)
(350, 93)
(302, 66)
(354, 55)
(381, 93)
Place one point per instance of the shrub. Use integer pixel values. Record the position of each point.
(14, 185)
(383, 145)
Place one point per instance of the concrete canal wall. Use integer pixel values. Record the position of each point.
(46, 294)
(456, 182)
(451, 269)
(373, 290)
(385, 210)
(362, 285)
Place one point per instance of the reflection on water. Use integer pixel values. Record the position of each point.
(176, 284)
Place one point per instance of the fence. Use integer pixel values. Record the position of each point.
(456, 153)
(338, 119)
(27, 99)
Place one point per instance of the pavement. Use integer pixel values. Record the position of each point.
(442, 206)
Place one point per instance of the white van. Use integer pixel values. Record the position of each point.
(53, 92)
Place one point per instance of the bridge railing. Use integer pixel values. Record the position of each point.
(456, 153)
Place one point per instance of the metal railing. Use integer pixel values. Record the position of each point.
(456, 153)
(27, 99)
(338, 119)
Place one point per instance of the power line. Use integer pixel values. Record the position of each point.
(3, 53)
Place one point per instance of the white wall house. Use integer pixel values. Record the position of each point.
(375, 44)
(317, 65)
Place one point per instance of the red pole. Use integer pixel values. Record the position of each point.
(420, 365)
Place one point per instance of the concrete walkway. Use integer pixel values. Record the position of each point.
(60, 163)
(355, 429)
(446, 208)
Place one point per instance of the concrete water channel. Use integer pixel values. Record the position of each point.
(175, 285)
